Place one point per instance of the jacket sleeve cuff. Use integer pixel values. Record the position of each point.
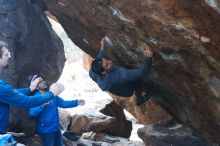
(49, 93)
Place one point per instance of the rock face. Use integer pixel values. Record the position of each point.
(120, 127)
(34, 140)
(170, 133)
(100, 139)
(65, 118)
(111, 120)
(148, 113)
(84, 123)
(184, 36)
(35, 49)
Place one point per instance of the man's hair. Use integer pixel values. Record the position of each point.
(33, 77)
(2, 44)
(96, 66)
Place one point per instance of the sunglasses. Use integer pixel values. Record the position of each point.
(42, 80)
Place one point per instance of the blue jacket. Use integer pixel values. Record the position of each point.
(17, 97)
(118, 80)
(47, 117)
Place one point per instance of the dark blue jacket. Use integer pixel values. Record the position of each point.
(118, 80)
(17, 97)
(47, 117)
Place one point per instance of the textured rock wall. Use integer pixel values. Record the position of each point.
(121, 127)
(170, 133)
(150, 112)
(35, 49)
(184, 36)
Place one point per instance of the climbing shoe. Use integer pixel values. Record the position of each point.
(143, 99)
(70, 135)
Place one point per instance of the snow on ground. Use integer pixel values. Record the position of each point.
(78, 84)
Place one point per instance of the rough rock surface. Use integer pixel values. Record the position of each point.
(148, 113)
(170, 133)
(184, 36)
(65, 118)
(120, 127)
(35, 49)
(85, 123)
(22, 138)
(100, 139)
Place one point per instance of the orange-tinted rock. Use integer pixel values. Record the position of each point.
(184, 36)
(85, 123)
(121, 127)
(65, 117)
(87, 59)
(150, 112)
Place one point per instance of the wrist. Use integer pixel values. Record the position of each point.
(31, 89)
(50, 92)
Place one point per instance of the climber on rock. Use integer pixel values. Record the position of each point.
(47, 116)
(119, 80)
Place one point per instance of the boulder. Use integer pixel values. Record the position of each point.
(22, 138)
(111, 140)
(85, 123)
(120, 127)
(100, 139)
(184, 36)
(65, 117)
(149, 113)
(170, 133)
(35, 49)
